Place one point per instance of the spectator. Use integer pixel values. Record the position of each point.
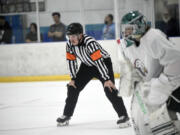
(5, 31)
(32, 35)
(57, 31)
(109, 28)
(168, 24)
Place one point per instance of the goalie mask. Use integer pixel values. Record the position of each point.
(133, 27)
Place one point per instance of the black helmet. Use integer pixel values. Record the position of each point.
(74, 28)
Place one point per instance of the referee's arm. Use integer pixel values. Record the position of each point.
(95, 54)
(71, 61)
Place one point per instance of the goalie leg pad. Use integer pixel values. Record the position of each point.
(161, 123)
(138, 119)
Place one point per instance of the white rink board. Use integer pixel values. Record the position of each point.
(36, 59)
(41, 58)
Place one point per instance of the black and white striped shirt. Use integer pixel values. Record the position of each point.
(90, 53)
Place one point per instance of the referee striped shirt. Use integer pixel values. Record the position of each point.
(88, 52)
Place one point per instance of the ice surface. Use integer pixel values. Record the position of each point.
(32, 109)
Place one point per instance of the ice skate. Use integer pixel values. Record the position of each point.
(123, 122)
(63, 121)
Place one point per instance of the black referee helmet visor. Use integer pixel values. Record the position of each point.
(74, 28)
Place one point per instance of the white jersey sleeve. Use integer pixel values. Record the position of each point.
(127, 73)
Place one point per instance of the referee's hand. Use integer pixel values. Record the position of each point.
(72, 83)
(110, 85)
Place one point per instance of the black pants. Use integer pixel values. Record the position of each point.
(84, 75)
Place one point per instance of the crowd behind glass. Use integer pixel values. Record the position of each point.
(12, 30)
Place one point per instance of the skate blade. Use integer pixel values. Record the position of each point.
(124, 125)
(63, 124)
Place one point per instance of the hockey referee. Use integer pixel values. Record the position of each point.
(95, 62)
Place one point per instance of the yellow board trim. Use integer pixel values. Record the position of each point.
(39, 78)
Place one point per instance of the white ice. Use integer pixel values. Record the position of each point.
(32, 109)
